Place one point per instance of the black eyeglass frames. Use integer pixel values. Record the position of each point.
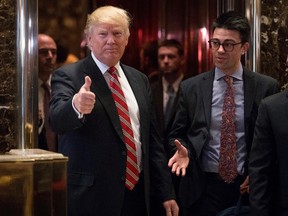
(227, 46)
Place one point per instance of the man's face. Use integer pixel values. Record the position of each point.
(228, 61)
(108, 43)
(169, 60)
(47, 53)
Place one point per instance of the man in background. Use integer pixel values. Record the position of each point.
(165, 89)
(149, 60)
(165, 94)
(47, 54)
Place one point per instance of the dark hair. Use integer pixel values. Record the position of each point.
(150, 51)
(172, 43)
(233, 20)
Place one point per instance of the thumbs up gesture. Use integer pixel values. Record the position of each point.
(84, 100)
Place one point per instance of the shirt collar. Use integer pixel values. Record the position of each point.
(103, 68)
(174, 84)
(40, 82)
(238, 74)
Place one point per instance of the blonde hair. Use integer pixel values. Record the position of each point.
(111, 15)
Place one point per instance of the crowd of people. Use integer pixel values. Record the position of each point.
(156, 142)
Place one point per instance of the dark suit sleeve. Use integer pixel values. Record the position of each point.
(261, 167)
(64, 86)
(190, 130)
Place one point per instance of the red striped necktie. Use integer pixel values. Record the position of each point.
(132, 172)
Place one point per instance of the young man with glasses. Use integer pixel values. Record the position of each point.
(213, 112)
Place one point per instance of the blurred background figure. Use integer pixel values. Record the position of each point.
(171, 60)
(64, 56)
(84, 51)
(149, 60)
(47, 55)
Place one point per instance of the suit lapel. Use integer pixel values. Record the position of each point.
(136, 88)
(103, 94)
(206, 90)
(249, 92)
(141, 99)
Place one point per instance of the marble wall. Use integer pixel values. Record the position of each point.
(274, 39)
(8, 81)
(64, 21)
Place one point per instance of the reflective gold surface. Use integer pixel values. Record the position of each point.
(32, 183)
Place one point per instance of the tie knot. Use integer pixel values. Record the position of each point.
(112, 70)
(228, 80)
(45, 86)
(170, 89)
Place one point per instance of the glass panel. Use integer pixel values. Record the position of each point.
(27, 63)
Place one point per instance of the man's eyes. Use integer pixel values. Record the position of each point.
(169, 56)
(217, 43)
(103, 33)
(46, 51)
(115, 34)
(228, 44)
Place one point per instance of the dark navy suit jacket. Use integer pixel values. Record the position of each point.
(95, 144)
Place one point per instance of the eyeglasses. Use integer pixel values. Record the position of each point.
(227, 46)
(44, 51)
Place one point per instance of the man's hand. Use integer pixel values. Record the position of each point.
(180, 160)
(84, 100)
(171, 208)
(244, 187)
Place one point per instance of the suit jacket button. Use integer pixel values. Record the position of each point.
(124, 153)
(123, 178)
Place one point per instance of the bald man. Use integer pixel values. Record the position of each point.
(47, 54)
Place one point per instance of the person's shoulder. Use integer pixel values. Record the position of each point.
(261, 76)
(197, 78)
(279, 97)
(131, 71)
(156, 85)
(130, 68)
(74, 65)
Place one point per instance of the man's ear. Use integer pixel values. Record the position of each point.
(245, 47)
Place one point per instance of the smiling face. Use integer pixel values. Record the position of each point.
(108, 42)
(228, 62)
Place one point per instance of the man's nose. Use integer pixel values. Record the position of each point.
(50, 54)
(111, 38)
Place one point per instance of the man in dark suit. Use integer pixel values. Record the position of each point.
(171, 61)
(106, 121)
(47, 54)
(165, 93)
(268, 163)
(199, 135)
